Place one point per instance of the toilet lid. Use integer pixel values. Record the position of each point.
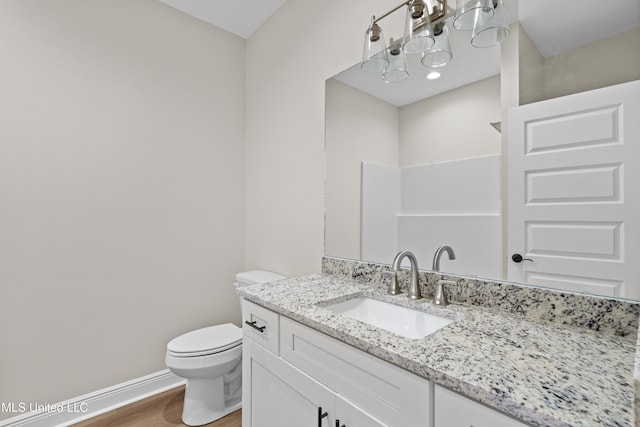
(212, 339)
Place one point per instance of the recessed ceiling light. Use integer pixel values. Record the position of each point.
(433, 75)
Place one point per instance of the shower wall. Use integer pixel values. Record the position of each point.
(419, 208)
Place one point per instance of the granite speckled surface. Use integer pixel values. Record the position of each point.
(608, 315)
(543, 372)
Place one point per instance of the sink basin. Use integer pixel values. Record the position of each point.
(394, 318)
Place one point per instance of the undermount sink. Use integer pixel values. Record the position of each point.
(394, 318)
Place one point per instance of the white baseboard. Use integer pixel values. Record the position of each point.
(81, 408)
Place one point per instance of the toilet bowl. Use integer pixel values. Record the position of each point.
(211, 360)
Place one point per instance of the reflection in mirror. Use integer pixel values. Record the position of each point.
(437, 158)
(386, 166)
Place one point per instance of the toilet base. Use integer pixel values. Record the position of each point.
(202, 406)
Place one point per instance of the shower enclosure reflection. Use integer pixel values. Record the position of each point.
(395, 181)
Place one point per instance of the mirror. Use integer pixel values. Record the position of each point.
(444, 134)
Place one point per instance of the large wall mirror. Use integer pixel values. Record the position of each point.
(421, 163)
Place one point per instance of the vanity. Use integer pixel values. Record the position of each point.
(305, 364)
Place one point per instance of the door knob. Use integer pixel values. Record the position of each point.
(518, 258)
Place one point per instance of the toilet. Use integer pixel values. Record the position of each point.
(211, 360)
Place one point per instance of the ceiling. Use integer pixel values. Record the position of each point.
(240, 17)
(554, 26)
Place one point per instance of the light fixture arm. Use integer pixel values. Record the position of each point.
(438, 12)
(375, 20)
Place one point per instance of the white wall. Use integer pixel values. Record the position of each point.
(381, 199)
(532, 71)
(453, 125)
(603, 63)
(121, 189)
(288, 60)
(358, 128)
(599, 64)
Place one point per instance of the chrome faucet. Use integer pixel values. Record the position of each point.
(440, 295)
(438, 254)
(414, 285)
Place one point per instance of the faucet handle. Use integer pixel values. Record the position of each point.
(440, 296)
(394, 286)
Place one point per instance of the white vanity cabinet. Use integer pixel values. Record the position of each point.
(277, 394)
(296, 376)
(307, 375)
(283, 396)
(454, 410)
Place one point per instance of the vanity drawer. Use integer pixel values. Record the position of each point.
(386, 392)
(454, 410)
(261, 325)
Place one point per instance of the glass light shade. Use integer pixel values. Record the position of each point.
(440, 54)
(418, 33)
(469, 11)
(491, 30)
(396, 71)
(374, 55)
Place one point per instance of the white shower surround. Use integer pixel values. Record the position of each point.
(419, 208)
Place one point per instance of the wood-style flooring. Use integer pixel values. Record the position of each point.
(161, 410)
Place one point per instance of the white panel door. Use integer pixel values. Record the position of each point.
(574, 192)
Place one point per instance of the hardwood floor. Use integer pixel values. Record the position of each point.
(161, 410)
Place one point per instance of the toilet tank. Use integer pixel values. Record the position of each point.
(257, 277)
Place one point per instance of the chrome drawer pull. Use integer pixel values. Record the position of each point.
(256, 327)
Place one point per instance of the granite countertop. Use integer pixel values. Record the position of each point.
(540, 372)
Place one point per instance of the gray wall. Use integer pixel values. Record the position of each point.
(121, 189)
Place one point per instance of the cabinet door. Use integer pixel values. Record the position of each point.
(388, 393)
(277, 394)
(348, 415)
(453, 410)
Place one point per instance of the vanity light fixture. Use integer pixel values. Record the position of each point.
(396, 70)
(426, 33)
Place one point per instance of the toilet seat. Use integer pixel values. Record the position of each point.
(206, 341)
